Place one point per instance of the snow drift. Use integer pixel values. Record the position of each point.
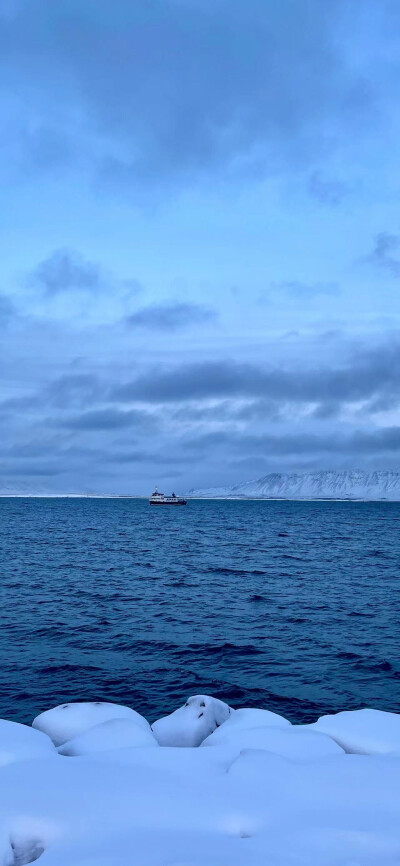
(258, 790)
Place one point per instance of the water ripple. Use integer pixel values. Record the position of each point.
(291, 606)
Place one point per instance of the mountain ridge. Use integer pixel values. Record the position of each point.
(378, 485)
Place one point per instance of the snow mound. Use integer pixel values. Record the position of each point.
(293, 798)
(113, 734)
(192, 723)
(293, 742)
(19, 742)
(368, 732)
(67, 721)
(248, 717)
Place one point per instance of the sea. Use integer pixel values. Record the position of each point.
(290, 606)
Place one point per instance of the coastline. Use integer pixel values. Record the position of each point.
(193, 498)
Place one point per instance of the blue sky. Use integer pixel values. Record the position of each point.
(200, 241)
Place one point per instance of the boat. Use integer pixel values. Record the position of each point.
(157, 498)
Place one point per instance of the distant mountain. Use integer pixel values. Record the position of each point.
(312, 485)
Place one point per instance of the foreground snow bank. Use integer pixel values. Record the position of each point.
(259, 790)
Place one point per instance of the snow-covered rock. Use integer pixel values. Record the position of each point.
(249, 717)
(113, 734)
(280, 804)
(19, 743)
(192, 723)
(294, 742)
(364, 731)
(383, 484)
(67, 721)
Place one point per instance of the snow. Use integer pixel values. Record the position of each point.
(292, 742)
(192, 723)
(19, 742)
(363, 731)
(284, 802)
(113, 734)
(350, 484)
(250, 717)
(69, 720)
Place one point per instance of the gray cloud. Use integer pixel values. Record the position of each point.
(7, 310)
(327, 191)
(106, 419)
(372, 442)
(31, 470)
(73, 390)
(386, 245)
(68, 271)
(205, 418)
(170, 317)
(367, 374)
(175, 88)
(64, 271)
(148, 457)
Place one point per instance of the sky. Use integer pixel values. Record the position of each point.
(200, 241)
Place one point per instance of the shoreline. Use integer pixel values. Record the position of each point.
(192, 498)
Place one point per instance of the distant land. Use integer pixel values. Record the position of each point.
(374, 486)
(347, 484)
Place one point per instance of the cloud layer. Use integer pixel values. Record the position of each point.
(174, 87)
(200, 252)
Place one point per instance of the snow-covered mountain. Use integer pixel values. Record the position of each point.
(312, 485)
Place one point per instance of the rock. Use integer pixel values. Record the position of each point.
(192, 723)
(67, 721)
(253, 718)
(365, 732)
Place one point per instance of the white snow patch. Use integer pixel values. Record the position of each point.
(19, 742)
(113, 734)
(192, 723)
(66, 721)
(294, 742)
(369, 732)
(249, 717)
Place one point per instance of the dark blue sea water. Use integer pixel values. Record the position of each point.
(286, 605)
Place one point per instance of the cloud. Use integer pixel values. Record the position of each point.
(205, 419)
(7, 310)
(170, 317)
(65, 271)
(327, 191)
(148, 457)
(105, 419)
(164, 90)
(73, 390)
(365, 375)
(382, 255)
(371, 442)
(31, 470)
